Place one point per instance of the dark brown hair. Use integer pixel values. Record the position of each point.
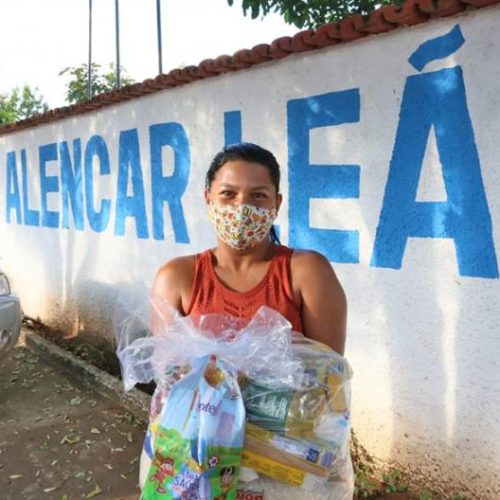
(246, 151)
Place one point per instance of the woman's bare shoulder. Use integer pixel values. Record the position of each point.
(177, 267)
(174, 280)
(309, 268)
(303, 260)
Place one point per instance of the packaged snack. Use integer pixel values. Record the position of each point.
(278, 409)
(326, 368)
(314, 458)
(197, 450)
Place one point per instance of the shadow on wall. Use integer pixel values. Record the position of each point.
(436, 361)
(94, 313)
(443, 370)
(78, 305)
(95, 303)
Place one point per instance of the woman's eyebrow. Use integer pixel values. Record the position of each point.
(253, 188)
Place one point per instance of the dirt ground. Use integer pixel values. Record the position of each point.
(59, 440)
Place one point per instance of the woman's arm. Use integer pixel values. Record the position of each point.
(172, 287)
(323, 301)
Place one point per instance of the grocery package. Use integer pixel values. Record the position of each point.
(299, 434)
(241, 410)
(197, 451)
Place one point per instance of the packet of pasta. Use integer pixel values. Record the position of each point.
(197, 449)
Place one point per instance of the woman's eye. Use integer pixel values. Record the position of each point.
(259, 195)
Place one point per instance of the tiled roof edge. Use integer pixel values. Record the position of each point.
(385, 19)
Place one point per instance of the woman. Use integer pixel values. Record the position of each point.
(249, 268)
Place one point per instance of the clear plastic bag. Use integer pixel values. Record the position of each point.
(260, 349)
(296, 392)
(300, 435)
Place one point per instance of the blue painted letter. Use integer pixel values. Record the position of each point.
(13, 196)
(96, 146)
(436, 100)
(71, 184)
(31, 216)
(169, 188)
(308, 181)
(130, 206)
(48, 184)
(232, 127)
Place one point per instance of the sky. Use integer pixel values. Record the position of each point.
(39, 38)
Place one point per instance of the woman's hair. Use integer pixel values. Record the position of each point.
(245, 151)
(250, 152)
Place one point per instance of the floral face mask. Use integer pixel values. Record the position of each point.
(241, 226)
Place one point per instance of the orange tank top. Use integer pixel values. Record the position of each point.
(209, 295)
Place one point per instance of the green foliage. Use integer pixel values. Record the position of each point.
(425, 495)
(365, 486)
(21, 103)
(393, 481)
(312, 13)
(101, 81)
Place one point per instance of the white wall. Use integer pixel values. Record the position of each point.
(423, 338)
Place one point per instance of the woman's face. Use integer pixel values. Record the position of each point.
(241, 182)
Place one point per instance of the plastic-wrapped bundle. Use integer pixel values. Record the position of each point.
(300, 435)
(295, 394)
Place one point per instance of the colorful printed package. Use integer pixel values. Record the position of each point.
(197, 450)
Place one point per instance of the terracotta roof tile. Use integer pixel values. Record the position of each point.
(480, 3)
(151, 84)
(426, 6)
(378, 23)
(219, 65)
(409, 14)
(326, 35)
(281, 47)
(167, 81)
(449, 7)
(261, 53)
(243, 57)
(303, 41)
(351, 28)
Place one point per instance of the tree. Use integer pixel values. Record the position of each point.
(76, 88)
(312, 13)
(21, 103)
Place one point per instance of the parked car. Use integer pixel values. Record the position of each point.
(10, 316)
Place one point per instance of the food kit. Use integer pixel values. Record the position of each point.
(240, 409)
